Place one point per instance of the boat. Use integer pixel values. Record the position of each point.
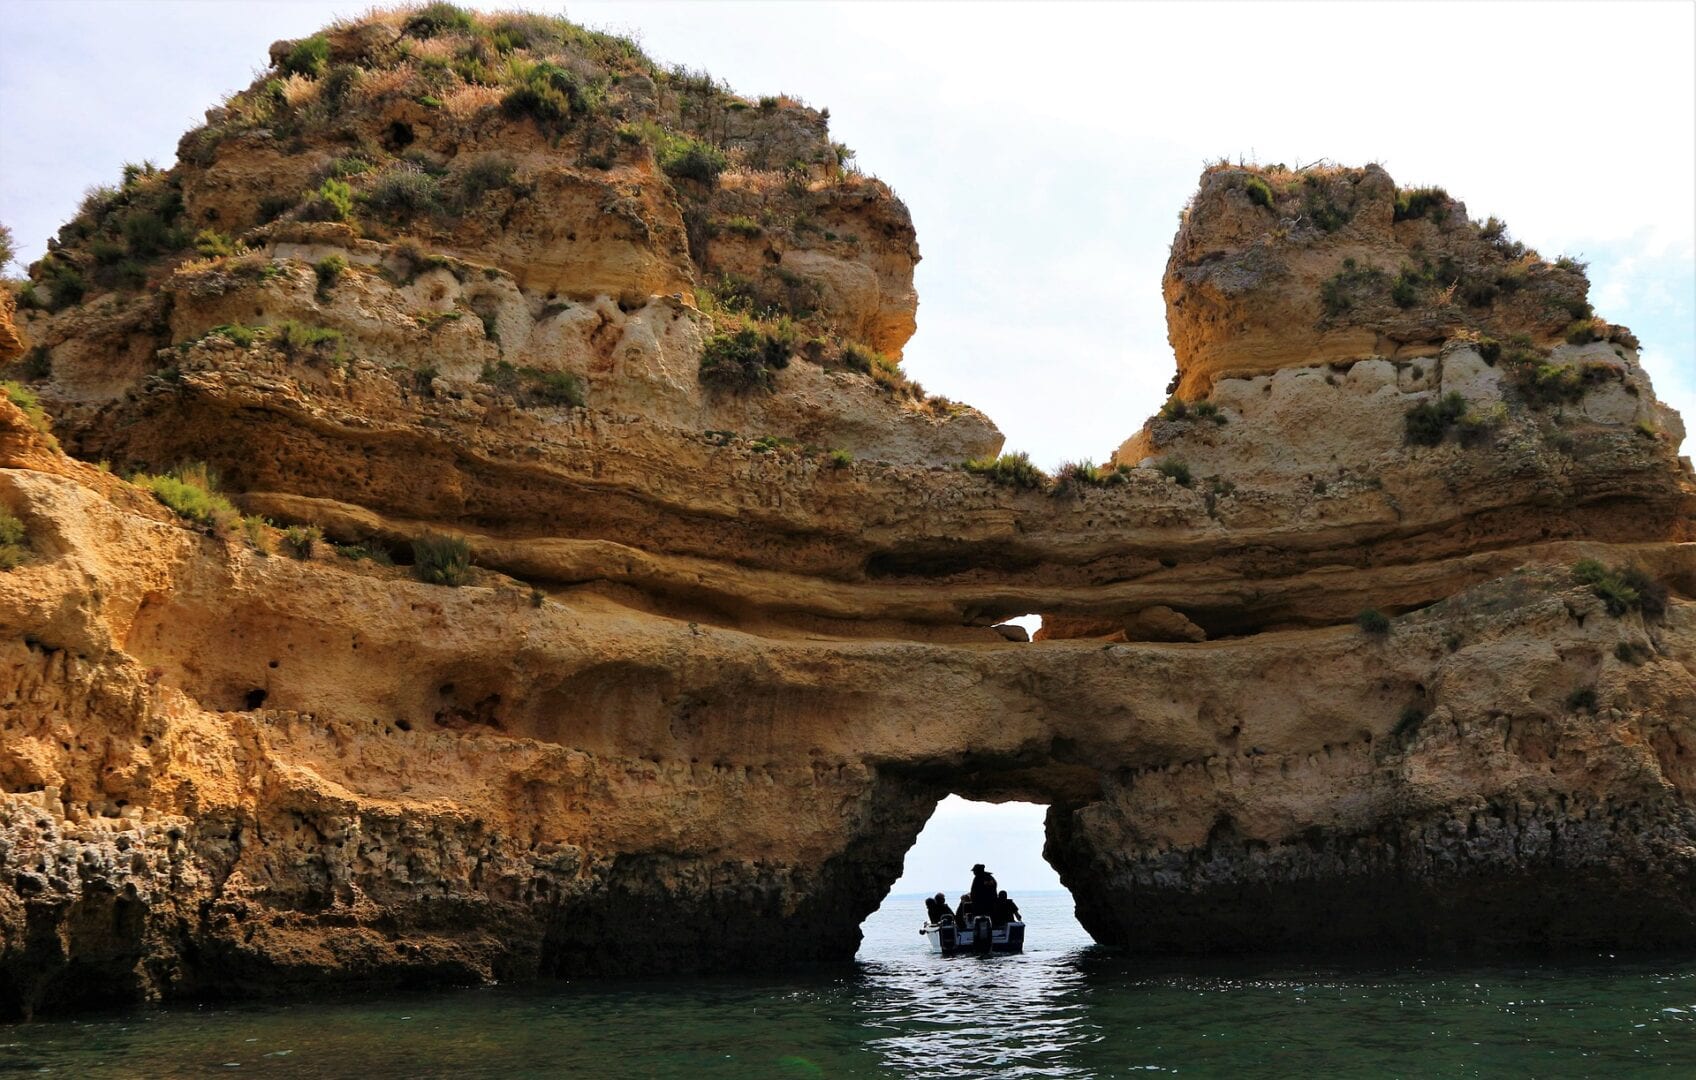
(947, 939)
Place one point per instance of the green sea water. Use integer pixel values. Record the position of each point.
(1063, 1009)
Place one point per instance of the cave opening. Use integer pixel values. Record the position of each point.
(1007, 837)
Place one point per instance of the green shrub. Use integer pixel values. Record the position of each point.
(8, 248)
(434, 320)
(441, 560)
(502, 375)
(1009, 470)
(438, 18)
(64, 282)
(14, 543)
(744, 360)
(1073, 476)
(1584, 331)
(1178, 409)
(1475, 424)
(404, 190)
(691, 159)
(1407, 288)
(1349, 286)
(548, 94)
(555, 388)
(1418, 202)
(367, 552)
(841, 459)
(1489, 350)
(24, 398)
(258, 533)
(765, 444)
(1206, 410)
(212, 244)
(1622, 589)
(329, 271)
(1258, 191)
(348, 165)
(148, 233)
(243, 336)
(333, 201)
(309, 57)
(295, 338)
(743, 226)
(1429, 421)
(1372, 621)
(1177, 470)
(1544, 384)
(1633, 653)
(191, 493)
(298, 540)
(1495, 233)
(486, 173)
(534, 386)
(38, 363)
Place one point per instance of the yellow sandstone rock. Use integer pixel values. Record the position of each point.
(728, 635)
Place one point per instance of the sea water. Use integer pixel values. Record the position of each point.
(1062, 1009)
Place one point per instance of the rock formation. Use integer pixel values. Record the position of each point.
(1379, 634)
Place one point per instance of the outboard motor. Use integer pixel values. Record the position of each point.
(983, 937)
(946, 933)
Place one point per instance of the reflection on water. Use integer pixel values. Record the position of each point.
(1063, 1009)
(974, 1016)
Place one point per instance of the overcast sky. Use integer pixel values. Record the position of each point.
(1044, 150)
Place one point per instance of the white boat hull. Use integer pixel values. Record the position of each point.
(979, 938)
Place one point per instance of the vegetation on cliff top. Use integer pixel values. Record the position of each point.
(395, 95)
(1453, 272)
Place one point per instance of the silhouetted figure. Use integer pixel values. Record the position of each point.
(936, 907)
(983, 891)
(1005, 910)
(963, 913)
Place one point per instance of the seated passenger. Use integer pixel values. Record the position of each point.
(1005, 910)
(963, 913)
(936, 908)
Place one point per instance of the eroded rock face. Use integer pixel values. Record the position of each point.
(707, 675)
(1275, 269)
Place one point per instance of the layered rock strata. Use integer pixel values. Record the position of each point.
(728, 639)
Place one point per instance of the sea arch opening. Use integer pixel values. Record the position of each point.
(1008, 837)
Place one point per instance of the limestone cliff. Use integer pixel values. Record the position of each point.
(1379, 634)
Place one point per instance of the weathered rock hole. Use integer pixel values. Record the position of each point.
(254, 699)
(1010, 837)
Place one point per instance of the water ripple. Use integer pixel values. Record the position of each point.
(1064, 1009)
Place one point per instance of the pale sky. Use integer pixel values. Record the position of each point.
(1044, 150)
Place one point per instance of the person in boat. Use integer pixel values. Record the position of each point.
(983, 891)
(936, 908)
(963, 913)
(1005, 910)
